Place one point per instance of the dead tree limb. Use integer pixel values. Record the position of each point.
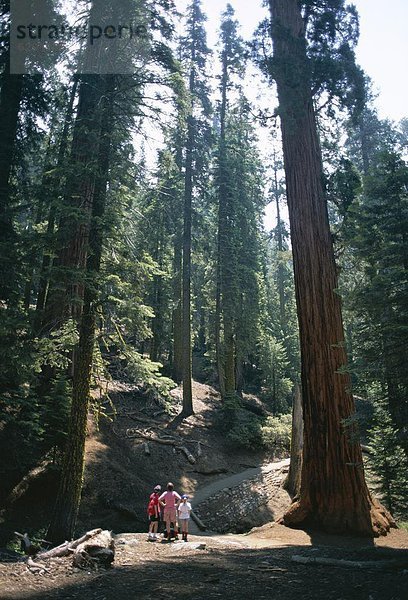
(198, 521)
(36, 568)
(354, 564)
(187, 454)
(26, 544)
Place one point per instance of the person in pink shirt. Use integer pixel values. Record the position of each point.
(170, 501)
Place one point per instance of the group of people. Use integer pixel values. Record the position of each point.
(172, 509)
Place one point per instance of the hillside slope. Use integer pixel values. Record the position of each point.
(119, 475)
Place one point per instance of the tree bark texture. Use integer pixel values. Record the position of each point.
(67, 286)
(10, 99)
(54, 189)
(188, 201)
(224, 299)
(188, 197)
(292, 483)
(64, 518)
(333, 493)
(177, 361)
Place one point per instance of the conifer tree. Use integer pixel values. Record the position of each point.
(333, 492)
(232, 59)
(194, 51)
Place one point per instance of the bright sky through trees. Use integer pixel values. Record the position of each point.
(382, 50)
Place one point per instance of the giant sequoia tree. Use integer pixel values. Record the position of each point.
(333, 492)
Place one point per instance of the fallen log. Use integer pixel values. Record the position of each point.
(354, 564)
(21, 488)
(198, 521)
(187, 454)
(131, 433)
(67, 547)
(98, 550)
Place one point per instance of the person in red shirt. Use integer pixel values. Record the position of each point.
(154, 514)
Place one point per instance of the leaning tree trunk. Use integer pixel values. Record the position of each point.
(64, 518)
(292, 482)
(333, 493)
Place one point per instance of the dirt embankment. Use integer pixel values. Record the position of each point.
(140, 448)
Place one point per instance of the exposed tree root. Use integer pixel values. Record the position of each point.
(378, 521)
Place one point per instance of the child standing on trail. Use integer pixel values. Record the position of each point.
(170, 501)
(153, 513)
(184, 511)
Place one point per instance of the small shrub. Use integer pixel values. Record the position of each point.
(246, 432)
(389, 461)
(242, 428)
(276, 433)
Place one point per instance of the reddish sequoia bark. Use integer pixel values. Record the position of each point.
(333, 493)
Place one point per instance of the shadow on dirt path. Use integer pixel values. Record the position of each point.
(225, 567)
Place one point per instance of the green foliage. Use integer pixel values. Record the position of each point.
(55, 349)
(135, 367)
(55, 417)
(274, 364)
(389, 461)
(376, 229)
(276, 433)
(243, 428)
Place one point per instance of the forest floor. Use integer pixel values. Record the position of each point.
(257, 564)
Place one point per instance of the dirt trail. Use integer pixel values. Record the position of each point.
(207, 491)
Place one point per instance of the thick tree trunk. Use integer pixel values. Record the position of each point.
(64, 518)
(188, 200)
(229, 343)
(10, 99)
(67, 280)
(54, 189)
(333, 493)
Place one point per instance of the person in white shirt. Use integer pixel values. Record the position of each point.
(184, 510)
